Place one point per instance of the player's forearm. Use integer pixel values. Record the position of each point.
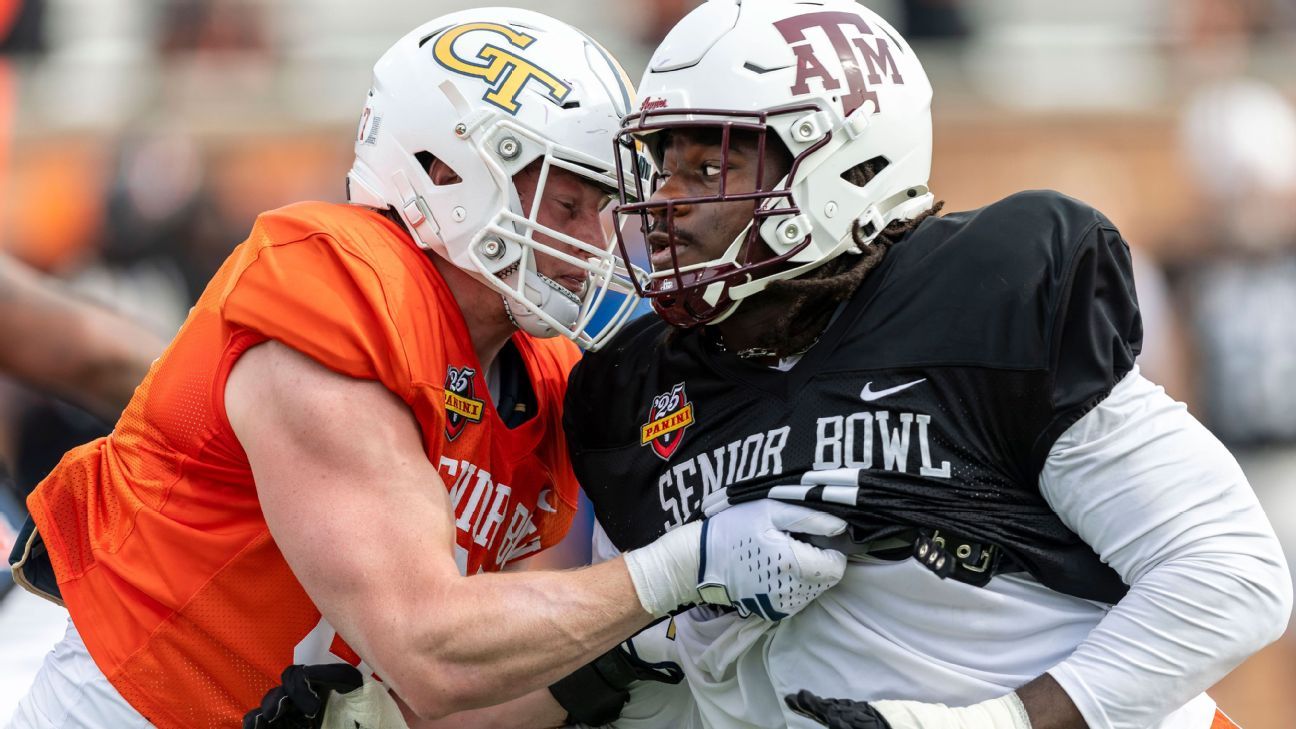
(72, 348)
(1049, 706)
(491, 638)
(536, 710)
(117, 356)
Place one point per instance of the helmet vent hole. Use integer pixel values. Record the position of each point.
(761, 69)
(862, 173)
(571, 105)
(441, 173)
(423, 41)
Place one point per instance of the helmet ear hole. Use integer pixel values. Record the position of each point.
(862, 173)
(440, 173)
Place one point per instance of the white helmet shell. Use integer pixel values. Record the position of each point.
(838, 86)
(488, 92)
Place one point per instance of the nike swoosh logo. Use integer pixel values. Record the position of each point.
(543, 502)
(869, 395)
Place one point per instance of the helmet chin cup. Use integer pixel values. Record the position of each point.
(546, 295)
(692, 302)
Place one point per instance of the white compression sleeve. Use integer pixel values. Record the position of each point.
(1165, 504)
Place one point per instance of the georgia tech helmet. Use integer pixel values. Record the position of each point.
(487, 92)
(835, 85)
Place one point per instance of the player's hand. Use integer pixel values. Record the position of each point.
(328, 696)
(837, 713)
(1005, 712)
(752, 562)
(298, 702)
(745, 557)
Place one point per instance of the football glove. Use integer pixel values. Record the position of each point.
(1005, 712)
(595, 693)
(328, 696)
(745, 557)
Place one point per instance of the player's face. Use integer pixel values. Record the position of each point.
(570, 205)
(693, 163)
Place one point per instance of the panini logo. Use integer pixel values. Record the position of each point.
(669, 415)
(668, 424)
(471, 409)
(461, 407)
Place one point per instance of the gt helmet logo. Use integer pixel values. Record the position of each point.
(505, 71)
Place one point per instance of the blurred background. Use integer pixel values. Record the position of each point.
(139, 139)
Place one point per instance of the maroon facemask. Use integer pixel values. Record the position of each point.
(677, 295)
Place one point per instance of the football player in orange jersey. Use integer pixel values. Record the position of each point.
(361, 414)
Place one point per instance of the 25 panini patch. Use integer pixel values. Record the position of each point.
(669, 415)
(460, 404)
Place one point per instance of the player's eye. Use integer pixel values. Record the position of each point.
(657, 180)
(711, 169)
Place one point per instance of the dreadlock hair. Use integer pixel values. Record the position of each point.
(812, 298)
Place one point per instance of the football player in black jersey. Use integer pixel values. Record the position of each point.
(1040, 536)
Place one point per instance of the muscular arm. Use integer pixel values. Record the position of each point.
(536, 710)
(69, 347)
(365, 522)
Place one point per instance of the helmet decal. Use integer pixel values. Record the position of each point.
(505, 71)
(874, 51)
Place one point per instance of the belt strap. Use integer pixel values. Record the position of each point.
(948, 555)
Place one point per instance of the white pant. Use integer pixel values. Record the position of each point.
(70, 692)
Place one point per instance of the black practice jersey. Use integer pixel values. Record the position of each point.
(930, 402)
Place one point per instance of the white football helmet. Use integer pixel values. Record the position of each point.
(487, 92)
(836, 85)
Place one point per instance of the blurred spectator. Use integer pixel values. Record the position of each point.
(933, 19)
(22, 27)
(155, 206)
(212, 26)
(1239, 138)
(1237, 286)
(662, 16)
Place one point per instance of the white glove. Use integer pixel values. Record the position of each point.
(368, 707)
(744, 557)
(1005, 712)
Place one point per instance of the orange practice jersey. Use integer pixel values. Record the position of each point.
(155, 532)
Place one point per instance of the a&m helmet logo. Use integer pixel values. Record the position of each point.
(669, 415)
(865, 58)
(460, 405)
(500, 66)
